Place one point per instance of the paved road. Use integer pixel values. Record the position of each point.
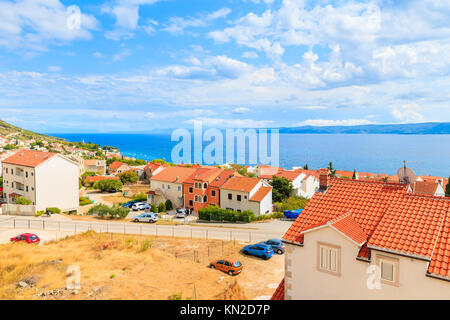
(262, 231)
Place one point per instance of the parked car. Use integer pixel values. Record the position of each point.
(150, 217)
(129, 204)
(140, 206)
(227, 265)
(181, 213)
(259, 250)
(276, 244)
(112, 190)
(26, 237)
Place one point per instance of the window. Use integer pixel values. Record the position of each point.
(205, 185)
(179, 188)
(12, 171)
(191, 203)
(191, 190)
(27, 188)
(162, 186)
(388, 269)
(230, 196)
(205, 199)
(239, 197)
(328, 259)
(26, 174)
(213, 193)
(6, 170)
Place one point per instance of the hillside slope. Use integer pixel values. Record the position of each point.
(7, 129)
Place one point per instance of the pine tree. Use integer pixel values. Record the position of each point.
(332, 171)
(305, 167)
(354, 175)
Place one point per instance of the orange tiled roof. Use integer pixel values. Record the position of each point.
(428, 188)
(260, 194)
(343, 173)
(392, 219)
(116, 165)
(98, 178)
(174, 174)
(222, 177)
(28, 158)
(153, 166)
(241, 183)
(348, 226)
(204, 175)
(279, 292)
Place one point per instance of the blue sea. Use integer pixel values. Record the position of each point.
(425, 154)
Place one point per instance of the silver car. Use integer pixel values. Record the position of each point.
(150, 217)
(140, 206)
(181, 213)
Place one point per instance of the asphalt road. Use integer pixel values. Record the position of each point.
(246, 232)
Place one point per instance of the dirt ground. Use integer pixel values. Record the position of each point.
(116, 266)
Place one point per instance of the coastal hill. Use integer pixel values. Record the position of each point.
(7, 129)
(409, 128)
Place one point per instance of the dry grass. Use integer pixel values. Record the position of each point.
(132, 267)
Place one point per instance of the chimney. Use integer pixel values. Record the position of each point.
(324, 179)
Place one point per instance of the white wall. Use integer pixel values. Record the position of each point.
(57, 184)
(174, 194)
(304, 281)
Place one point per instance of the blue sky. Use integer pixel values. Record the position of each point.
(142, 65)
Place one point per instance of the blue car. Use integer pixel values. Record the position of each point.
(258, 250)
(276, 244)
(129, 204)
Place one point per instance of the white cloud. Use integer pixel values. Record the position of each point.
(178, 24)
(241, 110)
(122, 54)
(324, 122)
(250, 55)
(36, 24)
(54, 68)
(407, 113)
(231, 123)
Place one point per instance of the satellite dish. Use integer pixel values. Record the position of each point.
(406, 175)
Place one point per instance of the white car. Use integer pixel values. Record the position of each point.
(150, 217)
(181, 213)
(140, 206)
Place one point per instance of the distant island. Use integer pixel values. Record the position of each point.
(409, 128)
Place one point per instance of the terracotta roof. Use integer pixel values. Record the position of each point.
(392, 219)
(261, 194)
(290, 175)
(153, 166)
(440, 259)
(222, 177)
(28, 158)
(241, 183)
(98, 178)
(343, 173)
(279, 292)
(174, 174)
(428, 188)
(116, 165)
(204, 175)
(348, 226)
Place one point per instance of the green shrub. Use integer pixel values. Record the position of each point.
(100, 210)
(154, 208)
(292, 203)
(23, 201)
(162, 207)
(140, 197)
(169, 205)
(39, 213)
(54, 210)
(214, 213)
(128, 177)
(103, 210)
(84, 201)
(108, 184)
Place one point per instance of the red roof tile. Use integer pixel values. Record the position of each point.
(241, 183)
(348, 226)
(427, 188)
(261, 194)
(116, 165)
(28, 158)
(174, 174)
(279, 292)
(392, 219)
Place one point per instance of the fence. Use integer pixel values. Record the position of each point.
(183, 231)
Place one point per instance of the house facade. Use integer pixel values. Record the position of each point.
(94, 165)
(202, 188)
(168, 185)
(46, 179)
(244, 193)
(368, 240)
(117, 167)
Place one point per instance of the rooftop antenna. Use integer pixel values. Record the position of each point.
(406, 175)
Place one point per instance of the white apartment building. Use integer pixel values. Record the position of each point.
(46, 179)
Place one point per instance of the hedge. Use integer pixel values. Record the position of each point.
(103, 210)
(213, 213)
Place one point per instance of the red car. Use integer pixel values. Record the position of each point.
(26, 237)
